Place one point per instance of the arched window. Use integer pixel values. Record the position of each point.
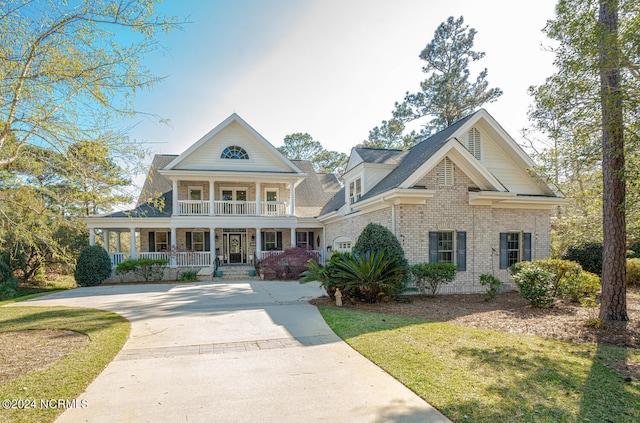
(473, 142)
(234, 152)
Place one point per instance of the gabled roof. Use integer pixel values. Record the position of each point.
(315, 190)
(380, 155)
(413, 158)
(199, 153)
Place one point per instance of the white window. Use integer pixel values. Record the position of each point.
(355, 190)
(162, 241)
(473, 142)
(445, 247)
(270, 240)
(513, 248)
(342, 245)
(445, 173)
(197, 241)
(195, 193)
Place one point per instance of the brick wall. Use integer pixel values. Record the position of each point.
(449, 210)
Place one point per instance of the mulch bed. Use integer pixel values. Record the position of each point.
(510, 313)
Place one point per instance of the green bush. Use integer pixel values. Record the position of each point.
(430, 276)
(376, 238)
(633, 272)
(587, 289)
(9, 288)
(492, 283)
(588, 255)
(93, 266)
(6, 271)
(534, 283)
(325, 274)
(148, 269)
(634, 250)
(369, 276)
(188, 276)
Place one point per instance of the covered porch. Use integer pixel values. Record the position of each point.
(205, 246)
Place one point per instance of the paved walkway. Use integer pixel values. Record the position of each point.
(233, 352)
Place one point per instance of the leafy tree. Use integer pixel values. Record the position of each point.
(302, 146)
(375, 238)
(589, 102)
(69, 72)
(390, 134)
(447, 94)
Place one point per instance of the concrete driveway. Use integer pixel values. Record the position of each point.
(245, 351)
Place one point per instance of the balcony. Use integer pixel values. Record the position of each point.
(232, 208)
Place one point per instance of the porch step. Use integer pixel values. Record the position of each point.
(236, 272)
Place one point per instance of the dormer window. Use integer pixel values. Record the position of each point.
(473, 142)
(234, 152)
(355, 190)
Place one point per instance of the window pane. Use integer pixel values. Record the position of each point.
(272, 196)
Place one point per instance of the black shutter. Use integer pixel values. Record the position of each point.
(207, 241)
(527, 246)
(504, 262)
(152, 242)
(310, 239)
(168, 241)
(279, 241)
(263, 245)
(462, 251)
(188, 241)
(433, 247)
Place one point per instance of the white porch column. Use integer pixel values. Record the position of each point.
(258, 195)
(132, 243)
(118, 242)
(105, 240)
(293, 237)
(174, 198)
(258, 243)
(292, 210)
(212, 198)
(172, 260)
(92, 236)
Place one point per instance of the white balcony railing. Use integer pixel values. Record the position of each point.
(183, 259)
(233, 208)
(316, 254)
(193, 207)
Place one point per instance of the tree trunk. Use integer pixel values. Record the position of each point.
(614, 302)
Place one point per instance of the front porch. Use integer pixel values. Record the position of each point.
(207, 247)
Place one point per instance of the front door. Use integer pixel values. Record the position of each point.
(234, 246)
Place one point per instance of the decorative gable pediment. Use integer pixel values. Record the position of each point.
(233, 146)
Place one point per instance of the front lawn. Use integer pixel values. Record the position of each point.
(479, 375)
(67, 378)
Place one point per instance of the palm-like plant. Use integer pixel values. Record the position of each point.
(370, 276)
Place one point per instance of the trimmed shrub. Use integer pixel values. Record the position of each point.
(566, 276)
(535, 284)
(148, 269)
(93, 266)
(493, 285)
(430, 276)
(633, 272)
(188, 276)
(288, 265)
(376, 238)
(589, 255)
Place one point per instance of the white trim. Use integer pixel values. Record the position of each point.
(191, 188)
(233, 118)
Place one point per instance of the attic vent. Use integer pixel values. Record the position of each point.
(473, 142)
(445, 173)
(234, 152)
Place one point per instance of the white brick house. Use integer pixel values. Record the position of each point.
(466, 195)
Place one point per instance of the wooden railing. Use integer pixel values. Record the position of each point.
(193, 208)
(183, 259)
(317, 254)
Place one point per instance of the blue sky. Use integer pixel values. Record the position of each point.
(332, 68)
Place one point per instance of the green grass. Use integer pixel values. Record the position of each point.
(52, 284)
(475, 375)
(67, 378)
